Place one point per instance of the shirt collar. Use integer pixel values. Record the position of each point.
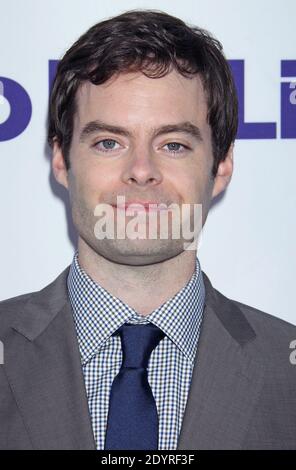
(98, 314)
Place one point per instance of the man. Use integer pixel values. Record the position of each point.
(131, 347)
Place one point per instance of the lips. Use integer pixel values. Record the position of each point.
(136, 205)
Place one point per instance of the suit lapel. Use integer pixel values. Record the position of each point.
(227, 378)
(43, 367)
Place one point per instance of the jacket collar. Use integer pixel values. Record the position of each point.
(43, 366)
(42, 307)
(227, 379)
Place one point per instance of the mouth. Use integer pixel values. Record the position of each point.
(147, 206)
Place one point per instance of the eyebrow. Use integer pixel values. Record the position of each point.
(98, 126)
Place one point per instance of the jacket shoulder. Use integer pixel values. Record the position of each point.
(238, 316)
(43, 299)
(260, 319)
(272, 343)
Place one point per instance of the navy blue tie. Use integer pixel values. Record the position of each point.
(132, 418)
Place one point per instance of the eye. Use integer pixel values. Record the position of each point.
(107, 145)
(174, 147)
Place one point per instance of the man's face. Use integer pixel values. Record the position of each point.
(139, 163)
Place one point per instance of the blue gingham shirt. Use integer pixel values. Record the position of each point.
(98, 314)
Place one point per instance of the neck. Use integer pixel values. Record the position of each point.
(143, 288)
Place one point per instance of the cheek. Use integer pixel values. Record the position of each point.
(85, 183)
(191, 183)
(80, 190)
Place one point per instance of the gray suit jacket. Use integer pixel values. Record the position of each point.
(242, 395)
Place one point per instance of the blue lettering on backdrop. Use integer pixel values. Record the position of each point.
(21, 107)
(248, 130)
(52, 68)
(288, 100)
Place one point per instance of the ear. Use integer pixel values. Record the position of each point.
(58, 165)
(224, 173)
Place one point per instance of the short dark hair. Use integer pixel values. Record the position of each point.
(152, 42)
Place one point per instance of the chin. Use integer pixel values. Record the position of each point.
(139, 252)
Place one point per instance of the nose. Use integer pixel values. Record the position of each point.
(142, 169)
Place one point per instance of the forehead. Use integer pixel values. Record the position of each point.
(134, 98)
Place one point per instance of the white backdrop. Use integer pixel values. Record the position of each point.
(248, 246)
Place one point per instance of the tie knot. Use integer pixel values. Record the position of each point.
(138, 342)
